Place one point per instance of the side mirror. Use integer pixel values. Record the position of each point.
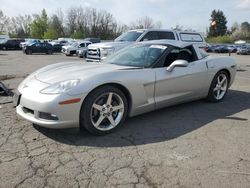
(177, 63)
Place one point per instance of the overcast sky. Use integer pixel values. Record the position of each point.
(194, 14)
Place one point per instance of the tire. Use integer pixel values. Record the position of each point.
(4, 48)
(218, 91)
(110, 106)
(29, 52)
(50, 52)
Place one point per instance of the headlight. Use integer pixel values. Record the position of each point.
(60, 87)
(106, 51)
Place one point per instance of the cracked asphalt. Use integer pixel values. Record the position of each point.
(197, 144)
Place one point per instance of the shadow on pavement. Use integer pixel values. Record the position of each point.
(160, 125)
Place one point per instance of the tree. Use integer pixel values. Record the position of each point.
(20, 26)
(4, 20)
(242, 32)
(40, 25)
(218, 25)
(145, 23)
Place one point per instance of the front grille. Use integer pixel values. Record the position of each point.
(94, 52)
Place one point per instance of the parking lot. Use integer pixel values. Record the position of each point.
(197, 144)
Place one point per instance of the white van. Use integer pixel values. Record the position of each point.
(99, 51)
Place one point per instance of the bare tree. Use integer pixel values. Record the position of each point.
(4, 20)
(145, 23)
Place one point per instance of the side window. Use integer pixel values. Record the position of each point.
(166, 35)
(82, 45)
(151, 35)
(87, 44)
(187, 54)
(203, 53)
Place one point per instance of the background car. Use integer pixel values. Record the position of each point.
(41, 47)
(28, 41)
(82, 52)
(11, 44)
(243, 50)
(72, 49)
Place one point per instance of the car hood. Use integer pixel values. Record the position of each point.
(115, 45)
(72, 70)
(69, 47)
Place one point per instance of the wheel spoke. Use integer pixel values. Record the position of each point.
(223, 80)
(215, 89)
(99, 121)
(218, 93)
(218, 79)
(109, 99)
(111, 120)
(119, 107)
(224, 88)
(97, 107)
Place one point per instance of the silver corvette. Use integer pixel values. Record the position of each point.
(137, 79)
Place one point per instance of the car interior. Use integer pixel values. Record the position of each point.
(180, 54)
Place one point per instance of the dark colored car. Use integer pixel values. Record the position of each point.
(211, 48)
(44, 47)
(225, 49)
(11, 44)
(57, 47)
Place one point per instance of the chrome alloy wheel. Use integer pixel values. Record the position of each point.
(221, 85)
(107, 111)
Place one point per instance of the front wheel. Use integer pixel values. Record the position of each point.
(103, 110)
(219, 87)
(50, 52)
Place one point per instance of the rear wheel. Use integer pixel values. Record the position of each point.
(219, 87)
(50, 52)
(103, 111)
(29, 52)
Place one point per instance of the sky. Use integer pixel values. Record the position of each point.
(191, 14)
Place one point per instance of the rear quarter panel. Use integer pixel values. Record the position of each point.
(215, 64)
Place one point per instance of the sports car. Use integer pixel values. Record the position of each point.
(137, 79)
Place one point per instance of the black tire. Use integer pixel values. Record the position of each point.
(86, 110)
(50, 52)
(211, 94)
(4, 48)
(29, 52)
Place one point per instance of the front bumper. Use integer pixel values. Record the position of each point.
(33, 105)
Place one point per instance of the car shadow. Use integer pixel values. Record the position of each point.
(161, 125)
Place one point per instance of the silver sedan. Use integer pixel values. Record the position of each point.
(140, 78)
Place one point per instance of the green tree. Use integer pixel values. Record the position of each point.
(57, 25)
(50, 34)
(78, 35)
(218, 25)
(55, 29)
(40, 25)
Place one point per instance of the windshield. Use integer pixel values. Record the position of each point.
(137, 56)
(129, 36)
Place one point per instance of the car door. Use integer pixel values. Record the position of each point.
(182, 83)
(37, 48)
